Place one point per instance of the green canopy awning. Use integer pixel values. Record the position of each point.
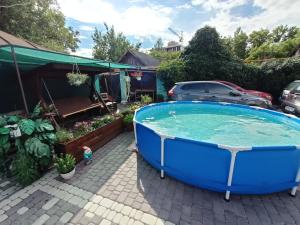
(29, 59)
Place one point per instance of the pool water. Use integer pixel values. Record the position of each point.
(222, 124)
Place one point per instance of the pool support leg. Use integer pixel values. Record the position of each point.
(162, 156)
(230, 175)
(294, 189)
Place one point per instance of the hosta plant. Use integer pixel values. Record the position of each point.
(26, 141)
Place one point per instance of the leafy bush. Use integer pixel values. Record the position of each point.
(171, 72)
(64, 135)
(128, 119)
(108, 119)
(65, 164)
(135, 106)
(25, 169)
(276, 74)
(32, 138)
(100, 122)
(146, 99)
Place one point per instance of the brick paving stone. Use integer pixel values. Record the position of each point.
(89, 215)
(41, 220)
(105, 222)
(3, 217)
(50, 204)
(100, 210)
(138, 223)
(66, 217)
(119, 187)
(22, 210)
(148, 219)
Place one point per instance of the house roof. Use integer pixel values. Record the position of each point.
(146, 60)
(8, 39)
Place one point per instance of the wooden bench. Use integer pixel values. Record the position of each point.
(73, 105)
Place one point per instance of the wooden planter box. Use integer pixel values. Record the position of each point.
(128, 127)
(94, 140)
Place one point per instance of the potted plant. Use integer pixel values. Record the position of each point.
(65, 165)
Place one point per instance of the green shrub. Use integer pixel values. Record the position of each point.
(128, 119)
(146, 99)
(82, 128)
(64, 135)
(65, 164)
(33, 138)
(276, 74)
(134, 107)
(25, 169)
(98, 123)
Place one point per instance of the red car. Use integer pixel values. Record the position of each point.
(250, 92)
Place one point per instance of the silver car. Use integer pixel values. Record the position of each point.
(214, 91)
(291, 101)
(287, 90)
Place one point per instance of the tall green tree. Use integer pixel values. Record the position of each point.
(257, 38)
(111, 45)
(239, 43)
(206, 56)
(283, 33)
(39, 21)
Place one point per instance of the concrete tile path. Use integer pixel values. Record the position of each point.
(119, 187)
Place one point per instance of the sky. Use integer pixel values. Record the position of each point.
(147, 20)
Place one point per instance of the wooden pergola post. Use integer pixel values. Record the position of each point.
(19, 79)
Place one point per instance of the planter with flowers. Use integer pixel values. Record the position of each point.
(93, 133)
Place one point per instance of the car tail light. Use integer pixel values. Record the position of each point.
(171, 91)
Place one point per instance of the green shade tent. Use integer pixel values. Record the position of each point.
(30, 59)
(21, 59)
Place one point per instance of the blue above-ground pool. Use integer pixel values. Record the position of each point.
(221, 147)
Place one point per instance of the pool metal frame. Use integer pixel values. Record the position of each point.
(232, 149)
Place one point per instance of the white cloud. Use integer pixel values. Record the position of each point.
(184, 6)
(135, 20)
(86, 28)
(82, 37)
(85, 52)
(274, 13)
(218, 4)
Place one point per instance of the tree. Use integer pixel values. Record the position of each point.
(163, 56)
(111, 45)
(257, 38)
(240, 42)
(158, 44)
(206, 57)
(283, 33)
(281, 49)
(39, 21)
(171, 72)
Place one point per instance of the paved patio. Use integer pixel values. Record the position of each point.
(120, 188)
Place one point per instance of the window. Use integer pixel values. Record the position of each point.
(296, 89)
(199, 87)
(218, 88)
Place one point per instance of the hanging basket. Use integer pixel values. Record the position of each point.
(137, 75)
(77, 79)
